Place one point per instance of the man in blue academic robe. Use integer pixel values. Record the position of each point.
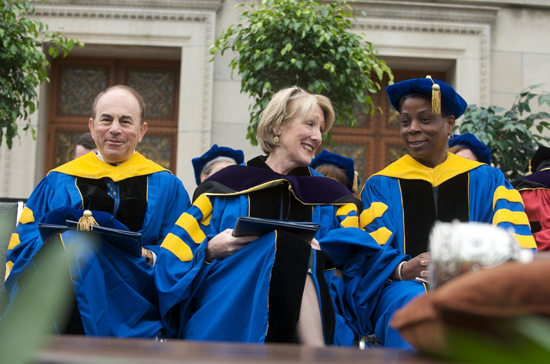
(114, 289)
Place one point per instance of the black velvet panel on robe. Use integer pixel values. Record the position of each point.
(423, 205)
(132, 205)
(292, 259)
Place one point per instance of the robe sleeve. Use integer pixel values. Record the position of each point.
(366, 265)
(376, 218)
(537, 208)
(176, 201)
(25, 241)
(181, 260)
(509, 213)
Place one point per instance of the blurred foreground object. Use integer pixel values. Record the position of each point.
(484, 317)
(457, 248)
(44, 295)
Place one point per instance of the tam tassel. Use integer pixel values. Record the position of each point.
(355, 184)
(530, 170)
(436, 97)
(86, 221)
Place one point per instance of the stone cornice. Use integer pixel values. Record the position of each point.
(426, 11)
(159, 4)
(480, 31)
(89, 12)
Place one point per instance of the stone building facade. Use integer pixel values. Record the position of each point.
(487, 49)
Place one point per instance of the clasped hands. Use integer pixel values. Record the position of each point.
(225, 245)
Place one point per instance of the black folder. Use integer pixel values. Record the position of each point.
(255, 226)
(128, 241)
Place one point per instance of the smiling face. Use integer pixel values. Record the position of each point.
(298, 140)
(425, 134)
(116, 129)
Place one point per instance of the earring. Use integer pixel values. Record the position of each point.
(451, 137)
(276, 139)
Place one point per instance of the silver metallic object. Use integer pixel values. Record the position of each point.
(456, 248)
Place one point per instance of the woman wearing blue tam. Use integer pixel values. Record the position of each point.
(215, 159)
(469, 147)
(402, 202)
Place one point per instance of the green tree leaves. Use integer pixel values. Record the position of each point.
(508, 133)
(304, 43)
(23, 64)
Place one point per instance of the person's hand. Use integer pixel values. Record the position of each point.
(148, 255)
(315, 244)
(225, 245)
(416, 267)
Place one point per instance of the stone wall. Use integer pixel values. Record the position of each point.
(489, 49)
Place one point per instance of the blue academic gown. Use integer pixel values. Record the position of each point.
(253, 296)
(401, 204)
(115, 290)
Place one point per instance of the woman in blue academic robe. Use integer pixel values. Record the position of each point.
(402, 202)
(276, 287)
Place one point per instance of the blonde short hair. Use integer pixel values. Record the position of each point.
(286, 104)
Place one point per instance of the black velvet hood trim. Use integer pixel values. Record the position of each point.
(307, 188)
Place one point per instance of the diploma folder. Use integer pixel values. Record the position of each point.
(126, 240)
(255, 226)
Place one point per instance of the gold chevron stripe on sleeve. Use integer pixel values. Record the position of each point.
(350, 221)
(189, 224)
(346, 209)
(502, 193)
(9, 266)
(14, 241)
(27, 216)
(375, 210)
(176, 246)
(514, 217)
(203, 203)
(526, 241)
(381, 235)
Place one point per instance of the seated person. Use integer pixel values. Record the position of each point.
(84, 145)
(469, 147)
(214, 160)
(403, 201)
(273, 288)
(535, 192)
(337, 167)
(115, 290)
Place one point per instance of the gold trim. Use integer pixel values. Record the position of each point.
(9, 266)
(408, 168)
(513, 217)
(502, 193)
(403, 222)
(346, 209)
(27, 216)
(205, 206)
(381, 235)
(191, 226)
(90, 166)
(350, 221)
(176, 246)
(14, 241)
(526, 241)
(375, 210)
(80, 193)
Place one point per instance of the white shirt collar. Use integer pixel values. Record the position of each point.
(103, 160)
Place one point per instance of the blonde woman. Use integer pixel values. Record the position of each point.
(272, 288)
